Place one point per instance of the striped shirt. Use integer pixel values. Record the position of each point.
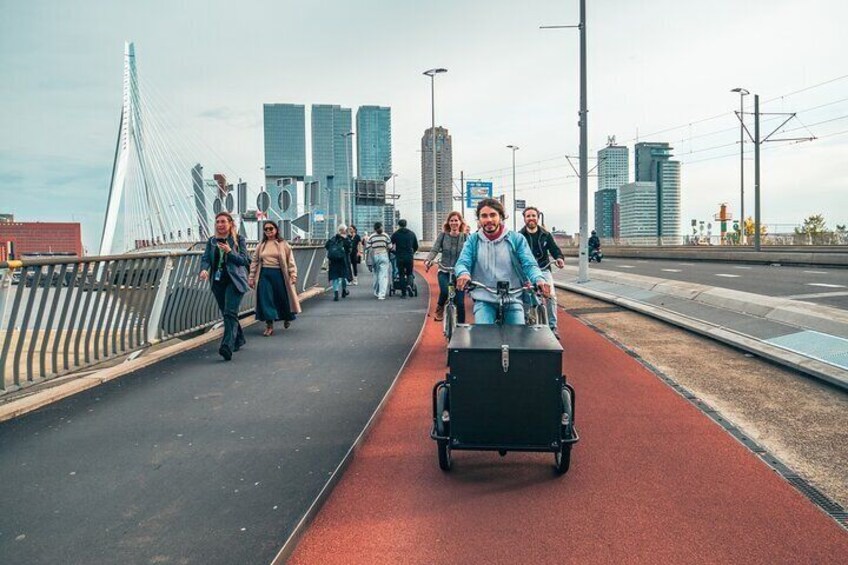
(378, 243)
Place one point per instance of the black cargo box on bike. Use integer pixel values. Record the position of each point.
(490, 363)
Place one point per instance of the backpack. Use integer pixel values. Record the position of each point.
(336, 251)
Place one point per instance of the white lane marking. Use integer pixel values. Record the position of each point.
(728, 276)
(816, 272)
(826, 285)
(817, 295)
(626, 266)
(687, 264)
(741, 267)
(671, 270)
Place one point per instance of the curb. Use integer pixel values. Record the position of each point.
(818, 369)
(22, 406)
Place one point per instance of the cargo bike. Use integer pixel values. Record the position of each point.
(504, 390)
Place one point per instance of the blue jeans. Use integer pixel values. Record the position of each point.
(381, 274)
(339, 284)
(486, 312)
(444, 279)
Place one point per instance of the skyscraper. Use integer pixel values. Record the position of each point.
(332, 161)
(613, 171)
(285, 160)
(200, 207)
(444, 179)
(374, 143)
(373, 165)
(653, 164)
(638, 210)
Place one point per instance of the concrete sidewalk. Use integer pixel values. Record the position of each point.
(808, 337)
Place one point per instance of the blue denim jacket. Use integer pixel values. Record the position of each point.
(523, 262)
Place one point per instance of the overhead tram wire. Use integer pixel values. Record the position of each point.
(483, 174)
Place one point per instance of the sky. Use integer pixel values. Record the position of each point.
(659, 70)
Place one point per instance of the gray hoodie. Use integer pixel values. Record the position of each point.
(494, 263)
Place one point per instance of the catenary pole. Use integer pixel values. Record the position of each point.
(756, 172)
(583, 266)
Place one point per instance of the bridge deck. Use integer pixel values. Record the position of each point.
(653, 480)
(195, 460)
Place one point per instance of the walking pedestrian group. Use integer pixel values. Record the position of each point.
(491, 254)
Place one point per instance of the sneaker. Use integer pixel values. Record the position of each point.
(381, 298)
(355, 281)
(440, 313)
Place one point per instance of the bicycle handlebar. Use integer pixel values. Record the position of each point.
(475, 284)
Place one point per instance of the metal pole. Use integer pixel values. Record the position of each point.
(462, 193)
(756, 172)
(433, 141)
(742, 166)
(513, 188)
(583, 267)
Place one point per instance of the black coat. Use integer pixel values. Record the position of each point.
(340, 268)
(406, 244)
(237, 262)
(543, 247)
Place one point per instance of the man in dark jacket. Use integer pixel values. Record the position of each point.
(544, 248)
(405, 244)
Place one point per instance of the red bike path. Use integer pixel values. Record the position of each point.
(653, 480)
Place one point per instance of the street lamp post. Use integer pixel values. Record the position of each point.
(583, 256)
(344, 205)
(514, 212)
(742, 93)
(432, 74)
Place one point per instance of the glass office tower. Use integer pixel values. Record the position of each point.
(332, 162)
(653, 164)
(374, 143)
(444, 180)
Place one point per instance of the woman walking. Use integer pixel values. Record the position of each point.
(378, 244)
(338, 255)
(355, 252)
(273, 273)
(449, 243)
(224, 264)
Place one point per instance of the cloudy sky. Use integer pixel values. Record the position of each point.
(659, 70)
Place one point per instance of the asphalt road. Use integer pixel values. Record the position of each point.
(822, 285)
(195, 460)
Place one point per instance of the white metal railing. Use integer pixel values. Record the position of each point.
(60, 315)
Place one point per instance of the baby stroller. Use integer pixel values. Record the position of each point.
(396, 287)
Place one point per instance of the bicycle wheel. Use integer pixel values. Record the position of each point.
(450, 319)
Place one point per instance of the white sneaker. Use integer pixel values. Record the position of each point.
(381, 298)
(355, 281)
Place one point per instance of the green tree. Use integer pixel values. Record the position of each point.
(814, 228)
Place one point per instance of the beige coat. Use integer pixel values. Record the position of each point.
(287, 266)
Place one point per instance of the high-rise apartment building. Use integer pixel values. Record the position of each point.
(285, 160)
(444, 179)
(285, 140)
(374, 143)
(201, 209)
(653, 164)
(638, 210)
(332, 162)
(373, 165)
(605, 201)
(613, 166)
(613, 172)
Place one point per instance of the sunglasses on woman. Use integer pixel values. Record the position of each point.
(270, 229)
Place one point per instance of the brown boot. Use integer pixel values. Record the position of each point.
(440, 312)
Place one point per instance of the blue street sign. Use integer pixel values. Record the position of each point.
(475, 191)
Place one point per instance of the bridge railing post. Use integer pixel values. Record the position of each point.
(158, 309)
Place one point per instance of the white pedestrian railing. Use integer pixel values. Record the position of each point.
(60, 315)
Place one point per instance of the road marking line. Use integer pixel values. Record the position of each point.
(671, 270)
(687, 264)
(818, 295)
(626, 266)
(826, 285)
(816, 272)
(728, 276)
(741, 267)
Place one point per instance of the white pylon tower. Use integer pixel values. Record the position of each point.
(129, 143)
